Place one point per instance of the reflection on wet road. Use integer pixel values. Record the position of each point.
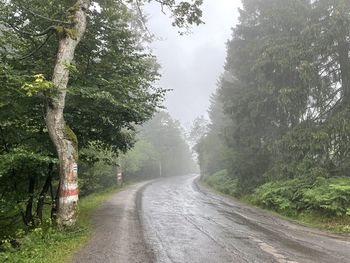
(184, 222)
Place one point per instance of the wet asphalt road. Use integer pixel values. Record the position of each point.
(178, 220)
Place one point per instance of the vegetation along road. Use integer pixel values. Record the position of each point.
(178, 220)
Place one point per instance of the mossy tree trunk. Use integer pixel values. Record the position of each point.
(61, 135)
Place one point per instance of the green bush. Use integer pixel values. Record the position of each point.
(328, 195)
(221, 182)
(281, 196)
(50, 244)
(36, 245)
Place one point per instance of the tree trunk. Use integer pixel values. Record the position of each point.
(62, 137)
(54, 200)
(28, 216)
(160, 168)
(344, 63)
(45, 189)
(29, 206)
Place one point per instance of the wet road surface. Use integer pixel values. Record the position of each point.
(118, 234)
(181, 221)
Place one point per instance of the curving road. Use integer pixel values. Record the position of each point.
(177, 220)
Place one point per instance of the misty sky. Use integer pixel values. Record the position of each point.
(192, 64)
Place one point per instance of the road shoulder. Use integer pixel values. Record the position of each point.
(117, 231)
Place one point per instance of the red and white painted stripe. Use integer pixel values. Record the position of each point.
(70, 191)
(69, 199)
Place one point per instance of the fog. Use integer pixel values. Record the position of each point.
(191, 64)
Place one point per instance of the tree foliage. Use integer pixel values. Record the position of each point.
(284, 94)
(161, 150)
(110, 93)
(329, 196)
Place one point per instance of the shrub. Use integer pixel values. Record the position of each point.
(221, 182)
(281, 196)
(328, 195)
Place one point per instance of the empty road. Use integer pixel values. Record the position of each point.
(177, 220)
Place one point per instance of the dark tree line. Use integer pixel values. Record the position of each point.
(110, 92)
(161, 150)
(281, 110)
(72, 73)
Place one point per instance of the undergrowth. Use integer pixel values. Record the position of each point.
(221, 182)
(319, 202)
(50, 244)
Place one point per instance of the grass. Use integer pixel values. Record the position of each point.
(49, 244)
(220, 182)
(340, 225)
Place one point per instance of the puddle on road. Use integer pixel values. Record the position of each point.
(272, 251)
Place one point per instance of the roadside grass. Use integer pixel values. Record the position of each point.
(49, 244)
(221, 183)
(340, 225)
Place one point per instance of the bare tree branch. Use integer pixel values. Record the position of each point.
(162, 4)
(22, 6)
(38, 48)
(45, 32)
(142, 18)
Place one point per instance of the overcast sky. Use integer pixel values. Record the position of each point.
(192, 64)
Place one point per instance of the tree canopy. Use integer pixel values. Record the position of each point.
(73, 73)
(284, 94)
(161, 150)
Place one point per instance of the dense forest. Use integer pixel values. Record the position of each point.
(279, 120)
(161, 150)
(79, 102)
(77, 83)
(101, 110)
